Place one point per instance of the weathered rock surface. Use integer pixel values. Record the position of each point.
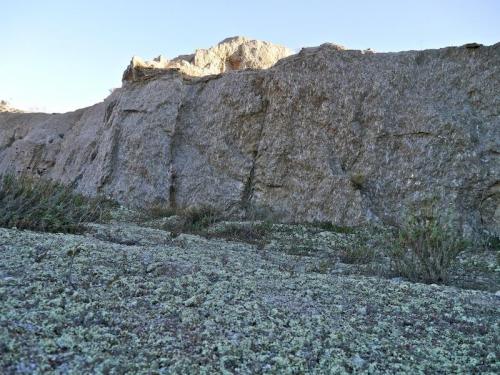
(326, 134)
(170, 301)
(235, 53)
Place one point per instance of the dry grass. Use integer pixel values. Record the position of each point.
(361, 249)
(426, 247)
(41, 205)
(253, 233)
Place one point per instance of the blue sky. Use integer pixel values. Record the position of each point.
(62, 55)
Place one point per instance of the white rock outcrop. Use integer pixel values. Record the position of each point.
(6, 107)
(234, 53)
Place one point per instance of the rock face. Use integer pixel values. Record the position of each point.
(326, 134)
(235, 53)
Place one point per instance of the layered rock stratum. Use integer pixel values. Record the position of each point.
(327, 134)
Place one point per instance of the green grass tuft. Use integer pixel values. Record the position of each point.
(254, 233)
(41, 205)
(330, 227)
(426, 247)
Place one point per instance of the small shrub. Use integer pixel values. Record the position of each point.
(324, 265)
(184, 220)
(304, 248)
(199, 218)
(330, 227)
(426, 247)
(259, 213)
(356, 253)
(158, 211)
(360, 250)
(41, 205)
(358, 180)
(492, 242)
(255, 233)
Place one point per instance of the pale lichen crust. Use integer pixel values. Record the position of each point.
(126, 299)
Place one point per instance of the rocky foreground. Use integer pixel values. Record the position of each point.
(327, 134)
(129, 298)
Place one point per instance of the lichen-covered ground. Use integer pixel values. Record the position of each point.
(125, 298)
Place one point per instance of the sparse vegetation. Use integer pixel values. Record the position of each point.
(331, 227)
(300, 249)
(358, 251)
(358, 180)
(194, 220)
(492, 242)
(259, 213)
(252, 233)
(159, 210)
(324, 265)
(41, 205)
(199, 218)
(424, 251)
(426, 247)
